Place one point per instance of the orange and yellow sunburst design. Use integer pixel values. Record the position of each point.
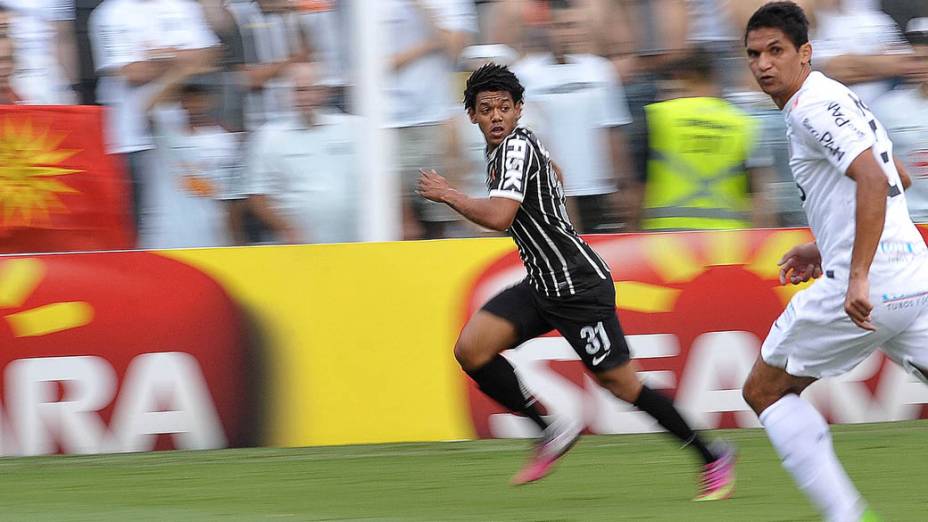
(675, 262)
(18, 280)
(29, 163)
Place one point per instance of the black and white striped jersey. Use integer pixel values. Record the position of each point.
(559, 263)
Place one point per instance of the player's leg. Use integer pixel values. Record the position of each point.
(590, 324)
(909, 348)
(802, 439)
(504, 322)
(812, 338)
(718, 474)
(602, 347)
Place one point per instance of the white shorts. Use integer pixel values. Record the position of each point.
(814, 337)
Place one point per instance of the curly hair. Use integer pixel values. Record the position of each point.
(492, 77)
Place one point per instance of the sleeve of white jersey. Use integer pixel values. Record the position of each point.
(614, 111)
(836, 128)
(258, 174)
(114, 44)
(511, 169)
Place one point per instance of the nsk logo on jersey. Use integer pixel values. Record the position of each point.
(515, 160)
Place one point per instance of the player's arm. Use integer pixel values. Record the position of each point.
(858, 68)
(903, 174)
(872, 191)
(495, 213)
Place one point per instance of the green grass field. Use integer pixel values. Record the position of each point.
(632, 477)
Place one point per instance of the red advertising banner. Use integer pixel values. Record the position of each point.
(119, 352)
(59, 190)
(695, 308)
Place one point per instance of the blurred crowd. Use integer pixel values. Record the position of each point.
(236, 120)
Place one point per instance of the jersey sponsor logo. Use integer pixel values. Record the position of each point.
(515, 165)
(826, 139)
(841, 119)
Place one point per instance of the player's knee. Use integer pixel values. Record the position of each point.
(468, 354)
(622, 388)
(463, 353)
(758, 395)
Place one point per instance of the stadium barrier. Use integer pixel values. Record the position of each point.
(342, 344)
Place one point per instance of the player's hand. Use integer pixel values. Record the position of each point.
(857, 303)
(800, 264)
(431, 185)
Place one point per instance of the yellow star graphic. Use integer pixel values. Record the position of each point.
(28, 166)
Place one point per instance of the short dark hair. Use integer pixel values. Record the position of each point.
(492, 77)
(699, 63)
(785, 16)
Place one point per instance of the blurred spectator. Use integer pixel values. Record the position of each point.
(194, 199)
(322, 21)
(904, 10)
(701, 173)
(657, 35)
(425, 39)
(46, 49)
(12, 91)
(230, 109)
(574, 101)
(780, 192)
(862, 48)
(272, 39)
(8, 94)
(135, 43)
(302, 175)
(904, 113)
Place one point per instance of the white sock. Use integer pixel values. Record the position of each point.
(801, 437)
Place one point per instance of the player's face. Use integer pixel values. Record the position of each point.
(496, 114)
(776, 63)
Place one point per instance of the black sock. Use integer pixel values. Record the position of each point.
(662, 409)
(498, 380)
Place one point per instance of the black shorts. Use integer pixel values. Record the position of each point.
(588, 321)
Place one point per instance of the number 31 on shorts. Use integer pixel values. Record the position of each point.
(596, 339)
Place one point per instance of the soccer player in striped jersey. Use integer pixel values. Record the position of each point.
(568, 287)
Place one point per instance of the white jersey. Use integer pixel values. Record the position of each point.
(828, 127)
(571, 107)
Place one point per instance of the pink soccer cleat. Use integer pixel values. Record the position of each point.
(556, 440)
(718, 477)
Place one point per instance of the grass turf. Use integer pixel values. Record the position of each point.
(630, 477)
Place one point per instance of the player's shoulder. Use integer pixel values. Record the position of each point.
(822, 98)
(521, 142)
(519, 134)
(819, 91)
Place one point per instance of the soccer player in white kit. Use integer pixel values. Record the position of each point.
(874, 293)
